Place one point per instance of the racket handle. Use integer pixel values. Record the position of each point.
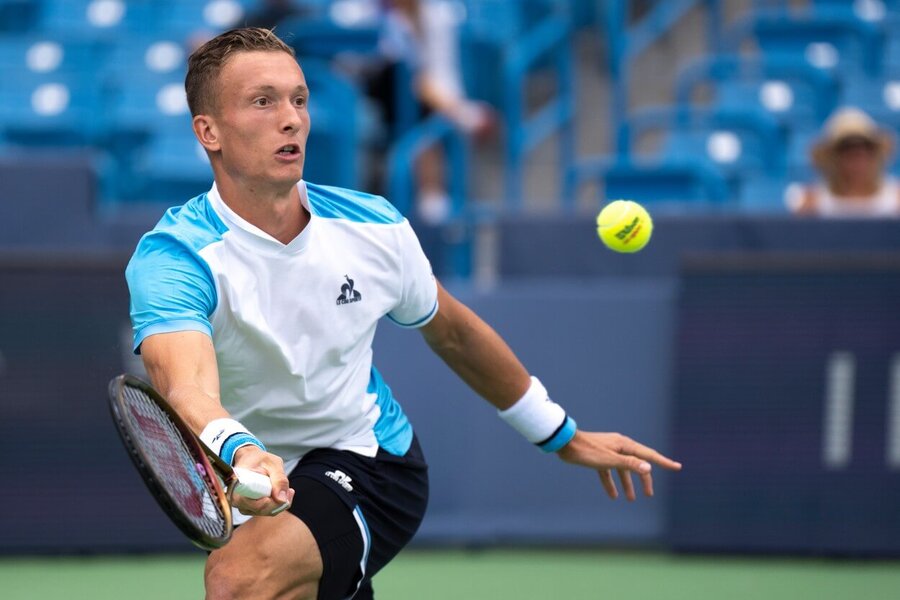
(251, 484)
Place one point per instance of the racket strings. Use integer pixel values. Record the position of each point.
(174, 464)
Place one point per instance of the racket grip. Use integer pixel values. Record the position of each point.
(251, 484)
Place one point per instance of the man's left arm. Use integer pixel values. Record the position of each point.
(485, 362)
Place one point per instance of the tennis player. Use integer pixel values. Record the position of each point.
(254, 307)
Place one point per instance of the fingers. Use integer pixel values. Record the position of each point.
(263, 506)
(269, 464)
(282, 493)
(649, 454)
(627, 484)
(608, 484)
(647, 483)
(606, 451)
(635, 464)
(281, 489)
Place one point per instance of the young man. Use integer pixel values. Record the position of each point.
(254, 306)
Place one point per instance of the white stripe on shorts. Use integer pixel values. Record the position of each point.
(367, 543)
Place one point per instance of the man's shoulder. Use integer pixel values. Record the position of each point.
(192, 225)
(351, 205)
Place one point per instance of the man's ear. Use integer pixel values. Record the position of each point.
(207, 133)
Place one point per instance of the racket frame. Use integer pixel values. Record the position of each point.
(202, 455)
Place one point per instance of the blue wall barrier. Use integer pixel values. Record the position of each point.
(787, 405)
(601, 330)
(64, 333)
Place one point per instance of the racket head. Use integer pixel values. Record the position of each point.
(171, 461)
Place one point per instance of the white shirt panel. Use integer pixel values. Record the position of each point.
(293, 324)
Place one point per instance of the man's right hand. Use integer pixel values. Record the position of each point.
(255, 459)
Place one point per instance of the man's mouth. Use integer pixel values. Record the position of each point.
(289, 150)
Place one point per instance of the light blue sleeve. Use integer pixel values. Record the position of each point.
(171, 288)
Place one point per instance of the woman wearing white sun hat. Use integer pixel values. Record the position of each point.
(851, 155)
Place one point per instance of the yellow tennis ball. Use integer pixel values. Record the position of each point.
(624, 226)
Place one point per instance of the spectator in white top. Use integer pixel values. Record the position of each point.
(851, 155)
(422, 36)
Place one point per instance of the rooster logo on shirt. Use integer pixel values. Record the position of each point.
(348, 294)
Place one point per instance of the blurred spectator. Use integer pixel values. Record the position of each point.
(851, 155)
(421, 36)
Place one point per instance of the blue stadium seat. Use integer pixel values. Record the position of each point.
(487, 29)
(145, 77)
(140, 108)
(719, 145)
(100, 18)
(799, 163)
(137, 56)
(762, 193)
(503, 21)
(892, 43)
(50, 109)
(865, 10)
(51, 53)
(171, 168)
(826, 39)
(794, 92)
(653, 182)
(188, 18)
(325, 38)
(334, 141)
(878, 96)
(731, 140)
(17, 16)
(158, 159)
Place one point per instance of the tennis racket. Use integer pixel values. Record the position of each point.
(181, 472)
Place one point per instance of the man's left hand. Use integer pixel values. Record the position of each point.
(606, 452)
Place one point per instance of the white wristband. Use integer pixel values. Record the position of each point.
(539, 419)
(226, 436)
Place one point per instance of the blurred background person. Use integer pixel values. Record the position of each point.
(420, 37)
(852, 156)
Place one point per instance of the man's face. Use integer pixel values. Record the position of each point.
(260, 123)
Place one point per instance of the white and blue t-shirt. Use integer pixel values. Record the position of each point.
(292, 325)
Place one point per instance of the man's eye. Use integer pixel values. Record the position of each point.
(261, 101)
(300, 101)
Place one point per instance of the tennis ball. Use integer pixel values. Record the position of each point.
(624, 226)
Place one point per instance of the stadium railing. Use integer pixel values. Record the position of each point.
(828, 39)
(787, 87)
(625, 42)
(653, 181)
(707, 155)
(796, 94)
(436, 129)
(550, 40)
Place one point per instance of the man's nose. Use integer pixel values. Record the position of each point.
(290, 120)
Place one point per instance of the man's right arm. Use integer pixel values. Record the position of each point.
(182, 367)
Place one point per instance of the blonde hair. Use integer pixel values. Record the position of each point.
(206, 62)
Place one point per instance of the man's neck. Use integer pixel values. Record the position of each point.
(277, 211)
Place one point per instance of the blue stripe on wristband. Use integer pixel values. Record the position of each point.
(235, 441)
(563, 436)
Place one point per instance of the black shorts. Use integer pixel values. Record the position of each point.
(362, 511)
